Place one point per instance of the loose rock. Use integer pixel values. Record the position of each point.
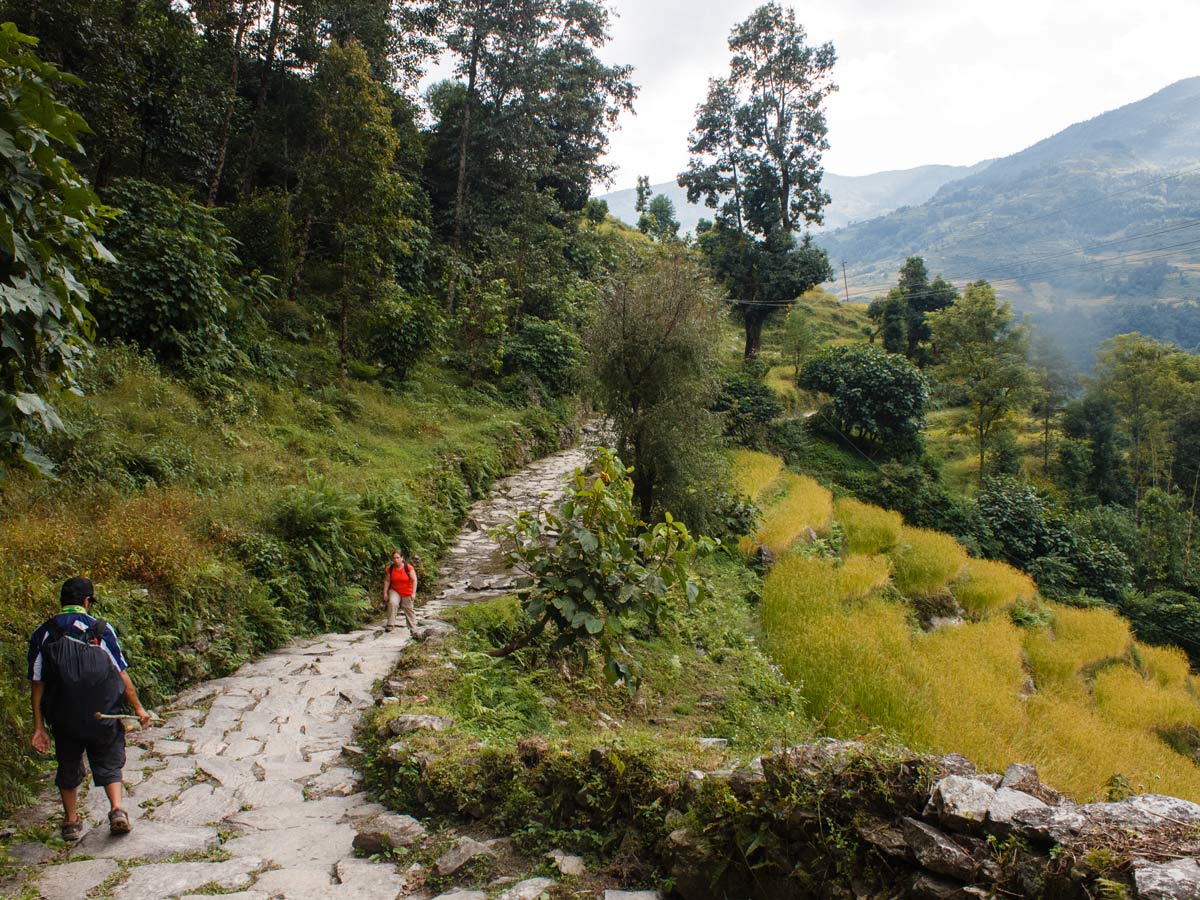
(466, 850)
(1175, 880)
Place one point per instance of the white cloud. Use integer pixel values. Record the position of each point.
(922, 81)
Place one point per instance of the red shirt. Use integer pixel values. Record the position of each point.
(402, 579)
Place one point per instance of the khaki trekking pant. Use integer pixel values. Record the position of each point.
(406, 605)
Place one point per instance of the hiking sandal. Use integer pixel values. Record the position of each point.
(71, 831)
(118, 822)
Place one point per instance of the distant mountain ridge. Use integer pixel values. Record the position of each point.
(854, 197)
(1105, 212)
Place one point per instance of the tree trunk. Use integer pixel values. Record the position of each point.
(260, 103)
(754, 317)
(301, 256)
(460, 189)
(223, 141)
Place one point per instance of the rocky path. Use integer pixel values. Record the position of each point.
(248, 786)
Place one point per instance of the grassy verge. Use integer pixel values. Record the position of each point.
(551, 753)
(217, 526)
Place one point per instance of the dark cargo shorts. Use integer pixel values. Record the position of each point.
(106, 756)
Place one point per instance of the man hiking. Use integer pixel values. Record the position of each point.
(76, 675)
(400, 589)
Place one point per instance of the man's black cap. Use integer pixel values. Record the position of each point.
(75, 591)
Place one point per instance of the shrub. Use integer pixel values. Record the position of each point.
(805, 505)
(748, 406)
(926, 561)
(876, 396)
(986, 587)
(1167, 618)
(550, 351)
(869, 529)
(176, 267)
(329, 542)
(401, 328)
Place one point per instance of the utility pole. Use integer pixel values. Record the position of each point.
(845, 283)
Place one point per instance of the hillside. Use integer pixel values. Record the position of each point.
(1102, 211)
(855, 198)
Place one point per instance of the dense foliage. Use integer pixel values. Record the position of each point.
(598, 571)
(49, 224)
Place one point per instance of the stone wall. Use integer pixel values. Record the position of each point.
(839, 820)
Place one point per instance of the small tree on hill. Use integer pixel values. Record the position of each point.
(876, 397)
(983, 352)
(655, 348)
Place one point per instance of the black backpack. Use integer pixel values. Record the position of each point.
(81, 681)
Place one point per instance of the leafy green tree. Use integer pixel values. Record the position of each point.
(1054, 384)
(351, 186)
(535, 101)
(1142, 378)
(982, 352)
(49, 226)
(756, 157)
(654, 343)
(659, 219)
(799, 340)
(641, 203)
(599, 573)
(1165, 618)
(877, 398)
(1090, 461)
(762, 276)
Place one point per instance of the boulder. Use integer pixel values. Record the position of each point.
(957, 764)
(1175, 880)
(962, 802)
(386, 831)
(1006, 804)
(1144, 812)
(884, 837)
(466, 850)
(1051, 824)
(937, 852)
(566, 863)
(1024, 778)
(397, 752)
(930, 887)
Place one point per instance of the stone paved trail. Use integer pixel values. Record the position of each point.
(251, 769)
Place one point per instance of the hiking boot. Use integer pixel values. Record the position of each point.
(118, 822)
(71, 831)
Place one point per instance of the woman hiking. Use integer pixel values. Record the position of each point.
(400, 589)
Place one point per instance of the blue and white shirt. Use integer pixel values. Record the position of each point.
(81, 622)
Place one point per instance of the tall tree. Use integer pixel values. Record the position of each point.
(983, 353)
(1055, 382)
(537, 103)
(643, 194)
(351, 187)
(756, 157)
(659, 219)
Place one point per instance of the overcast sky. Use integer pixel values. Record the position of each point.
(921, 81)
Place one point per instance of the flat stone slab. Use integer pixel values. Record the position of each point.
(529, 889)
(147, 841)
(632, 895)
(30, 853)
(201, 804)
(71, 881)
(462, 895)
(312, 845)
(237, 895)
(159, 880)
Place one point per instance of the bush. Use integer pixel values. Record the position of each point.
(875, 396)
(401, 328)
(329, 541)
(1167, 618)
(172, 283)
(748, 406)
(550, 351)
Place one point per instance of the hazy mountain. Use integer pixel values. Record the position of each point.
(855, 197)
(1104, 213)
